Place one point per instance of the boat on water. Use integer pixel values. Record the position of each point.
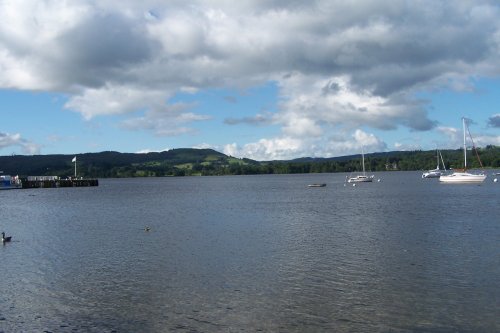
(435, 173)
(8, 182)
(363, 178)
(317, 185)
(463, 175)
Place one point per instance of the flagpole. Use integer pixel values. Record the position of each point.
(74, 161)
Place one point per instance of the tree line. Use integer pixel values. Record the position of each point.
(207, 162)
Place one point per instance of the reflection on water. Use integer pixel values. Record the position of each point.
(252, 253)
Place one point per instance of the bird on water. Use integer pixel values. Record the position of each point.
(5, 239)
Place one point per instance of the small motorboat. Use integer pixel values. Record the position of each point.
(317, 185)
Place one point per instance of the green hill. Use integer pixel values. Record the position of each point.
(114, 164)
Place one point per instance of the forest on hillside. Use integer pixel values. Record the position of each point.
(206, 162)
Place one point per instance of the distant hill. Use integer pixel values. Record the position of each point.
(175, 162)
(189, 162)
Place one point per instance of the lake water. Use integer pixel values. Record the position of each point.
(252, 254)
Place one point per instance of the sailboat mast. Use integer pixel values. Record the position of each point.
(444, 166)
(465, 146)
(437, 158)
(363, 160)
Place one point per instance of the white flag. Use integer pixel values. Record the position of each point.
(74, 159)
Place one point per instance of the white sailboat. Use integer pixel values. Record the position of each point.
(435, 173)
(363, 178)
(463, 176)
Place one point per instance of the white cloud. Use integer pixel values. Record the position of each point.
(399, 146)
(180, 33)
(454, 138)
(346, 143)
(284, 147)
(338, 66)
(383, 46)
(267, 149)
(15, 140)
(166, 120)
(367, 139)
(29, 48)
(334, 100)
(205, 145)
(231, 149)
(114, 99)
(147, 150)
(494, 120)
(485, 140)
(297, 126)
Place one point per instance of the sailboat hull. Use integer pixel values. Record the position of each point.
(463, 177)
(432, 174)
(360, 179)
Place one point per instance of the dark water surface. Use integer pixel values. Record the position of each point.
(252, 253)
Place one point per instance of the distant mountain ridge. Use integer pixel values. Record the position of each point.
(57, 164)
(191, 161)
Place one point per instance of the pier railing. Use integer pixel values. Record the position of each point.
(54, 183)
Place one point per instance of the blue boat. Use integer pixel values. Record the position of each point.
(8, 182)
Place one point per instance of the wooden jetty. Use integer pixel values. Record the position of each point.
(34, 182)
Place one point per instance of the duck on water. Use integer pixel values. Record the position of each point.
(5, 239)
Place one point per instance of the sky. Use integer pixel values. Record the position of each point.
(266, 80)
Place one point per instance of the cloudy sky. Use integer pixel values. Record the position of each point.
(274, 79)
